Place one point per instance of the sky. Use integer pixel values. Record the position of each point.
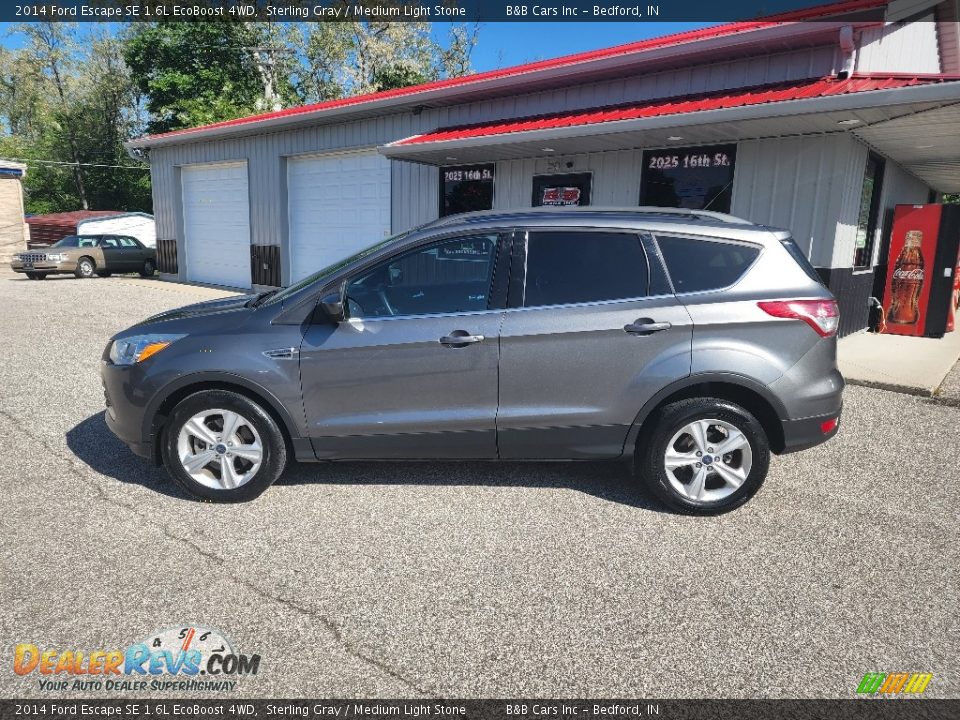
(512, 43)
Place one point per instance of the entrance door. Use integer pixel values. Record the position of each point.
(413, 372)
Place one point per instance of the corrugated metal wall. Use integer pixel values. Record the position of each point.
(900, 47)
(803, 184)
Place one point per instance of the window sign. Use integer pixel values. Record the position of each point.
(466, 188)
(699, 178)
(561, 190)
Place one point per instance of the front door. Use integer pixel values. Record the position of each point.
(412, 372)
(587, 344)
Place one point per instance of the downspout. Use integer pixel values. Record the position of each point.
(848, 52)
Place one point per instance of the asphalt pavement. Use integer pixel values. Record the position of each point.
(467, 579)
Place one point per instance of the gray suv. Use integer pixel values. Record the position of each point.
(690, 344)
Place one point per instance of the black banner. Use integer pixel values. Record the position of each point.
(873, 709)
(417, 10)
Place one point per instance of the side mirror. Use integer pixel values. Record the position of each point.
(333, 304)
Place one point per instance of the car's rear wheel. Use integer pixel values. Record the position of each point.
(86, 268)
(703, 456)
(104, 273)
(148, 269)
(221, 446)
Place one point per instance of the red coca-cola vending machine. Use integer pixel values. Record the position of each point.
(923, 291)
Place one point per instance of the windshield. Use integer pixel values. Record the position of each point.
(331, 269)
(72, 241)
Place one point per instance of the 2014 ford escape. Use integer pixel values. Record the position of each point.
(692, 344)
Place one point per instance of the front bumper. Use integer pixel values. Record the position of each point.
(125, 408)
(809, 432)
(44, 266)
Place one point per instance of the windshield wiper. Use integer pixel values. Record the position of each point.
(259, 299)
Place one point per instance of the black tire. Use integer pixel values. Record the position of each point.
(672, 419)
(33, 275)
(86, 267)
(148, 269)
(104, 273)
(274, 458)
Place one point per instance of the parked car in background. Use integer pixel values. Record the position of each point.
(690, 344)
(87, 255)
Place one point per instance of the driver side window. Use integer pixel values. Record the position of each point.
(450, 276)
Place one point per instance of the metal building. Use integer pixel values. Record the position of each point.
(819, 121)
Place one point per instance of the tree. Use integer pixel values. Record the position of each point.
(338, 59)
(197, 73)
(66, 107)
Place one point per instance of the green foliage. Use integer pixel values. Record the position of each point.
(193, 73)
(66, 107)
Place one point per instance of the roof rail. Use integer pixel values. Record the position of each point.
(481, 215)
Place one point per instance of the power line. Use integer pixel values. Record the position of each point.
(75, 164)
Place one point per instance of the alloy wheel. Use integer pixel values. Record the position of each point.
(220, 449)
(708, 460)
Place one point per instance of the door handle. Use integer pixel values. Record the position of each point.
(460, 338)
(645, 326)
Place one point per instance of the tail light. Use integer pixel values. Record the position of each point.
(822, 315)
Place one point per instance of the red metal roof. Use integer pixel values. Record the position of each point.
(801, 90)
(70, 218)
(820, 12)
(47, 229)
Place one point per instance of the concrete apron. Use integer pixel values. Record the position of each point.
(917, 366)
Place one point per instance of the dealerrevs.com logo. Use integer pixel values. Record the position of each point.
(186, 658)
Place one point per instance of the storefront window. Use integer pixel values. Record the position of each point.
(869, 212)
(466, 188)
(699, 178)
(564, 190)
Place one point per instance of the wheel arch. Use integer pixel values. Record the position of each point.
(163, 404)
(746, 392)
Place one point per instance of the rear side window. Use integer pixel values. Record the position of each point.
(696, 265)
(797, 254)
(578, 267)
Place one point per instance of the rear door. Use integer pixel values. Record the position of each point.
(132, 253)
(586, 341)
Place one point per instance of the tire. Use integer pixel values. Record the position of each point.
(104, 273)
(86, 267)
(674, 427)
(33, 275)
(148, 269)
(205, 412)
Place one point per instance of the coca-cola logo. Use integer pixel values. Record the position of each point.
(914, 274)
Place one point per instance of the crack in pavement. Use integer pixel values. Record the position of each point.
(332, 627)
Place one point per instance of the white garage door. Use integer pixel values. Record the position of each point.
(216, 224)
(338, 205)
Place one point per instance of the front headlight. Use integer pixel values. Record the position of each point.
(56, 257)
(138, 348)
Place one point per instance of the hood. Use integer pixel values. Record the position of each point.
(237, 303)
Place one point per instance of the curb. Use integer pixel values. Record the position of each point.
(930, 395)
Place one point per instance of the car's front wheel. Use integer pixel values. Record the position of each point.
(86, 268)
(703, 456)
(148, 269)
(221, 446)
